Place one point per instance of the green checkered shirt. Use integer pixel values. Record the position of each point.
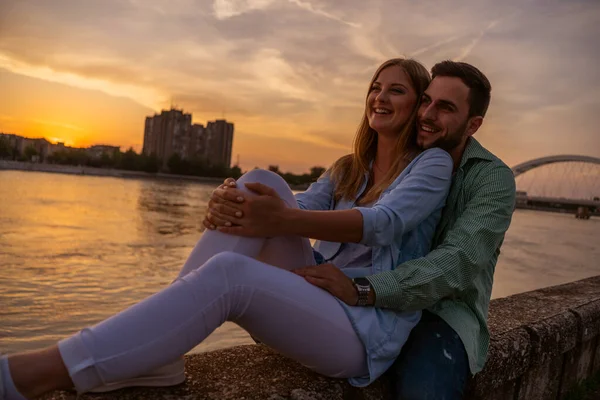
(455, 280)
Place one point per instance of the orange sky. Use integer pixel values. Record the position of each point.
(291, 75)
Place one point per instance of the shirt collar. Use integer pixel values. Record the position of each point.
(474, 150)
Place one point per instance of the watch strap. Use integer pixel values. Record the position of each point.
(363, 289)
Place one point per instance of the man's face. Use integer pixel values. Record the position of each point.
(443, 117)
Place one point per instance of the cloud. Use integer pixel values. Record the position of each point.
(297, 69)
(224, 9)
(144, 95)
(469, 48)
(305, 5)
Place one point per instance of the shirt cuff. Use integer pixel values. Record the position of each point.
(369, 217)
(387, 291)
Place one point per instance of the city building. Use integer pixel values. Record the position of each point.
(40, 148)
(197, 145)
(166, 134)
(171, 132)
(219, 140)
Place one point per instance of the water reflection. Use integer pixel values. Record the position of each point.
(172, 208)
(76, 249)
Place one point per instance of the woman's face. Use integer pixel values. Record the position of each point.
(391, 101)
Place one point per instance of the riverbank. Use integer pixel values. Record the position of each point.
(115, 173)
(91, 171)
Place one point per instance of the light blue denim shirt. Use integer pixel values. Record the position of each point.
(399, 227)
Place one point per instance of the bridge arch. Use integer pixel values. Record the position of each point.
(538, 162)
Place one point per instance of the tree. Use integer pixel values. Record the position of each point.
(150, 164)
(316, 172)
(29, 153)
(274, 168)
(175, 164)
(5, 149)
(106, 160)
(129, 160)
(235, 172)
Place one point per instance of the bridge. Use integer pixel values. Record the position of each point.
(561, 183)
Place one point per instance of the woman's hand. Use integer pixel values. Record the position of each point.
(332, 279)
(262, 214)
(233, 211)
(224, 201)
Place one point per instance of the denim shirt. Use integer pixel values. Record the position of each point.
(399, 227)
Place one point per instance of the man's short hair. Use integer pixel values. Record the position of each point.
(479, 86)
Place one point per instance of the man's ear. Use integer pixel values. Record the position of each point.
(474, 124)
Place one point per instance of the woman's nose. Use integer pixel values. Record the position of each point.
(382, 96)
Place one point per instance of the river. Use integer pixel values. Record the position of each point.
(76, 249)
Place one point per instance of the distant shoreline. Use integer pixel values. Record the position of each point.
(92, 171)
(115, 173)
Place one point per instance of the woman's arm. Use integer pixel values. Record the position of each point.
(404, 207)
(265, 214)
(344, 226)
(225, 200)
(399, 211)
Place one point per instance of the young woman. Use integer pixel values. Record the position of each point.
(371, 211)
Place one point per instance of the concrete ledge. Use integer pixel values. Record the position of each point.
(542, 344)
(589, 319)
(250, 372)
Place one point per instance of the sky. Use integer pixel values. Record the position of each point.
(292, 74)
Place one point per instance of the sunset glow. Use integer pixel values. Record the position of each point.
(291, 75)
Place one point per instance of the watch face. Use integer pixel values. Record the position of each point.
(362, 281)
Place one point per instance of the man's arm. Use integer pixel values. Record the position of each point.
(466, 250)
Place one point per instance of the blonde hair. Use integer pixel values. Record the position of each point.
(348, 173)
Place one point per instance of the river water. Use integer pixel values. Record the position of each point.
(76, 249)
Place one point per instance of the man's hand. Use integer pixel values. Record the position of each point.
(332, 279)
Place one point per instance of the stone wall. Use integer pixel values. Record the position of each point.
(543, 343)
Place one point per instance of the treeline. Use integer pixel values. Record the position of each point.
(129, 160)
(132, 161)
(299, 180)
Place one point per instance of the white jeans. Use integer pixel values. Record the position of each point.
(223, 281)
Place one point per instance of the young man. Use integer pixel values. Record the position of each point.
(453, 283)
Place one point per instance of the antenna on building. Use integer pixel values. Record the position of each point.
(237, 160)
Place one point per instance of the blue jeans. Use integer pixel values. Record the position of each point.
(433, 364)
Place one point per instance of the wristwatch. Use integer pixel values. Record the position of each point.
(363, 288)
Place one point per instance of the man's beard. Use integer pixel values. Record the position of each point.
(451, 140)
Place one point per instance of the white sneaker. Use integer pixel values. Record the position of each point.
(168, 375)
